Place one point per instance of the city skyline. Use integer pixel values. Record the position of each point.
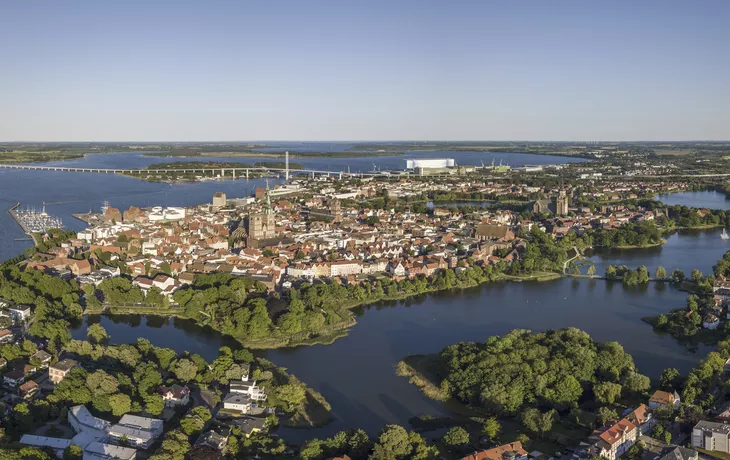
(327, 71)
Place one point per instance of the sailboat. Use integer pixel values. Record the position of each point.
(724, 234)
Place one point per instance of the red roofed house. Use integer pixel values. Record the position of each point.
(616, 440)
(174, 395)
(511, 451)
(664, 398)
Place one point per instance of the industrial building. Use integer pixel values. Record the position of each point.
(430, 163)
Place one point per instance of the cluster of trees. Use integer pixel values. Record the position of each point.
(723, 265)
(545, 253)
(628, 235)
(684, 216)
(119, 291)
(699, 385)
(393, 443)
(54, 238)
(630, 277)
(127, 376)
(640, 275)
(55, 301)
(551, 370)
(238, 306)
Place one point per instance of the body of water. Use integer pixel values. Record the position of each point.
(364, 163)
(708, 199)
(356, 373)
(684, 250)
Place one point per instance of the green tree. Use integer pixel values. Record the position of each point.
(592, 270)
(96, 333)
(696, 276)
(293, 395)
(393, 443)
(120, 404)
(660, 273)
(677, 276)
(636, 382)
(669, 378)
(73, 452)
(605, 415)
(185, 370)
(539, 422)
(456, 436)
(607, 392)
(491, 427)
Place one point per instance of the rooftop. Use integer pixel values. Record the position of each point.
(713, 427)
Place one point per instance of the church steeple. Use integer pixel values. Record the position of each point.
(268, 199)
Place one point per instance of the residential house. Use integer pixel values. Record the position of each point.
(6, 336)
(248, 425)
(512, 451)
(680, 453)
(28, 389)
(213, 440)
(664, 398)
(711, 436)
(42, 357)
(710, 321)
(642, 418)
(255, 392)
(14, 377)
(238, 402)
(175, 395)
(57, 372)
(616, 440)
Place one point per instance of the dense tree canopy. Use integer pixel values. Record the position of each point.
(551, 369)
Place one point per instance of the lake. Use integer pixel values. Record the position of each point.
(706, 199)
(356, 373)
(685, 249)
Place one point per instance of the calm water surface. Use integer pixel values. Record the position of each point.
(356, 373)
(708, 199)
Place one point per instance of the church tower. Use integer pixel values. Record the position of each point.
(561, 204)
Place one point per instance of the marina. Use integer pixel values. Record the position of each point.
(32, 221)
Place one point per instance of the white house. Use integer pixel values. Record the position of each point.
(237, 401)
(253, 391)
(175, 395)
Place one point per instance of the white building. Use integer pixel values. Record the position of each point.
(100, 451)
(428, 163)
(253, 391)
(139, 431)
(19, 314)
(237, 401)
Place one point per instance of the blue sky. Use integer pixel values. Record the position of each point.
(367, 70)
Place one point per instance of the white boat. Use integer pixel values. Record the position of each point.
(724, 235)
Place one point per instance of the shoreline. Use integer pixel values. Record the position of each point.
(325, 337)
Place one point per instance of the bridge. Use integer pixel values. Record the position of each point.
(234, 172)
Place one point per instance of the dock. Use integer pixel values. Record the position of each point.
(33, 222)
